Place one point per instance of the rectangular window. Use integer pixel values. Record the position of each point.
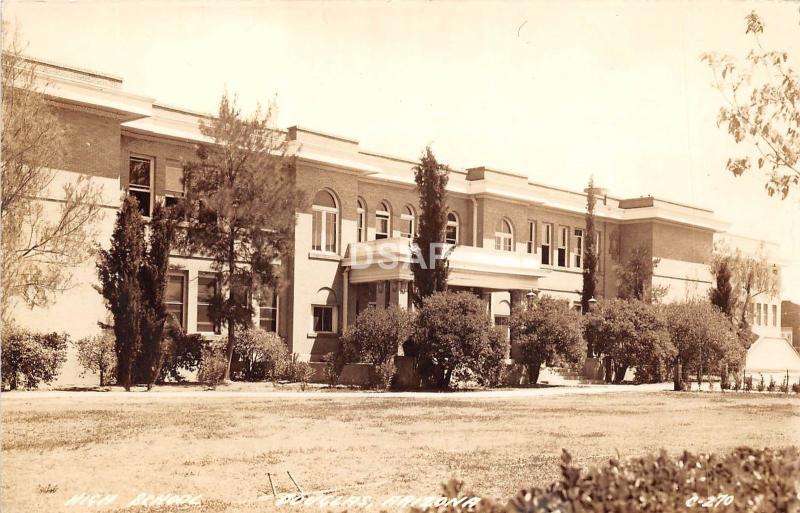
(174, 296)
(330, 232)
(774, 315)
(547, 241)
(766, 314)
(361, 228)
(531, 236)
(140, 178)
(323, 319)
(206, 291)
(563, 235)
(758, 314)
(268, 314)
(174, 188)
(382, 225)
(578, 250)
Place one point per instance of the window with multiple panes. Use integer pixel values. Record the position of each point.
(531, 236)
(207, 284)
(361, 221)
(268, 313)
(407, 220)
(774, 315)
(547, 242)
(325, 222)
(140, 180)
(577, 256)
(175, 297)
(451, 232)
(563, 235)
(503, 236)
(766, 314)
(323, 318)
(173, 188)
(383, 221)
(758, 313)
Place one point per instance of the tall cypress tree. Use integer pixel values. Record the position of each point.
(589, 250)
(153, 280)
(118, 270)
(430, 276)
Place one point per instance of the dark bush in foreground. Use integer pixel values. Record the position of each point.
(746, 480)
(29, 359)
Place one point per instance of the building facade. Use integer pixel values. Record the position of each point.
(506, 235)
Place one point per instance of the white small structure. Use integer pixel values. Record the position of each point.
(772, 357)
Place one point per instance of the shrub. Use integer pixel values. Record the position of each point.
(771, 386)
(334, 365)
(212, 365)
(549, 332)
(796, 387)
(745, 480)
(382, 374)
(303, 372)
(259, 354)
(760, 387)
(181, 351)
(31, 358)
(377, 335)
(748, 384)
(96, 354)
(452, 338)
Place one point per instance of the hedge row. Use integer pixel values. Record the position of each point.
(745, 480)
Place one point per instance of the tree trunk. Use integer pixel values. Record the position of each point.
(533, 372)
(101, 377)
(607, 364)
(619, 373)
(229, 351)
(677, 376)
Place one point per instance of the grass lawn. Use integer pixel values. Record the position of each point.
(222, 447)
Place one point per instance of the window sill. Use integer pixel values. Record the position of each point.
(323, 255)
(322, 334)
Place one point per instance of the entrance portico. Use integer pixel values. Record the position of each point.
(379, 273)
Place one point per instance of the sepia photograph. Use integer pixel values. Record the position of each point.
(400, 256)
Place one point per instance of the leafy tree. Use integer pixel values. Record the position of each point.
(96, 354)
(722, 294)
(241, 203)
(704, 339)
(453, 333)
(761, 96)
(751, 276)
(589, 250)
(430, 276)
(180, 351)
(630, 333)
(31, 358)
(548, 332)
(635, 277)
(42, 242)
(377, 335)
(153, 281)
(119, 272)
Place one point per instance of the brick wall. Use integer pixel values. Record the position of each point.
(91, 140)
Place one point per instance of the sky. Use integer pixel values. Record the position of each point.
(558, 91)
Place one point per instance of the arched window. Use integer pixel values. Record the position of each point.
(408, 222)
(503, 236)
(361, 221)
(383, 221)
(325, 222)
(451, 232)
